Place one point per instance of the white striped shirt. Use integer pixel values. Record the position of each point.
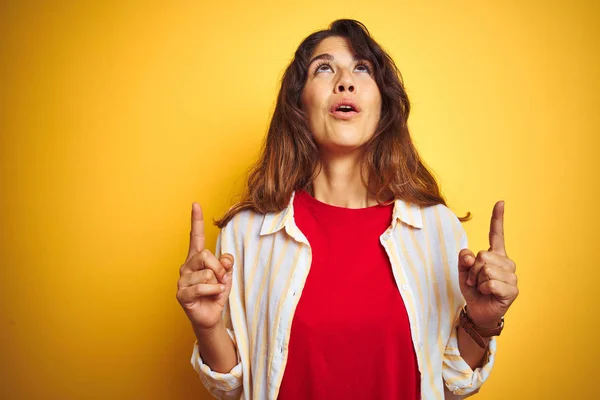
(272, 261)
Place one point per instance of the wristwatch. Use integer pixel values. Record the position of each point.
(476, 332)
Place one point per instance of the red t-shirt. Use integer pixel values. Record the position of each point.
(350, 335)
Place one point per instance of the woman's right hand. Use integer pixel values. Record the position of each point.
(204, 281)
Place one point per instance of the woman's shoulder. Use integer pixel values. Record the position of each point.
(244, 220)
(441, 210)
(438, 224)
(438, 216)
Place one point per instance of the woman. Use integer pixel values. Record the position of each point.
(341, 273)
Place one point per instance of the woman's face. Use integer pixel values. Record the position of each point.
(340, 97)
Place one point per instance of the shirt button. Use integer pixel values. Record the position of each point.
(386, 236)
(405, 287)
(420, 345)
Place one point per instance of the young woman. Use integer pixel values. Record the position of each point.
(342, 273)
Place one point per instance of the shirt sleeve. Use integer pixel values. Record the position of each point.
(460, 379)
(224, 386)
(221, 386)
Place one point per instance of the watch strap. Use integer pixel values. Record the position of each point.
(478, 333)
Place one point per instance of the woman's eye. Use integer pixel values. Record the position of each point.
(323, 67)
(327, 68)
(363, 68)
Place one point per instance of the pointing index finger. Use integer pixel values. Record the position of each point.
(497, 229)
(197, 237)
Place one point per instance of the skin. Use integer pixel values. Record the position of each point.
(487, 280)
(202, 290)
(488, 283)
(341, 142)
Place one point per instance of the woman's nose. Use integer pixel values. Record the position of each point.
(345, 83)
(342, 88)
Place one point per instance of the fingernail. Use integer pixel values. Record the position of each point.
(222, 287)
(227, 277)
(470, 282)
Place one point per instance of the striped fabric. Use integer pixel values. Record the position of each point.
(272, 261)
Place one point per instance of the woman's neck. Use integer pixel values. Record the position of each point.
(339, 183)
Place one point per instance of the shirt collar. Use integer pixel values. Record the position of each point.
(407, 213)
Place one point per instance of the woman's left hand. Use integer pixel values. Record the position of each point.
(488, 281)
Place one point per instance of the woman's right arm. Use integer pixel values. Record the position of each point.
(216, 347)
(203, 290)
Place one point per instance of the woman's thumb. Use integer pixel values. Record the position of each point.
(226, 261)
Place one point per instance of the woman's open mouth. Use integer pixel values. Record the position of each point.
(345, 110)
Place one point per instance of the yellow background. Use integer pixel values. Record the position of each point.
(115, 116)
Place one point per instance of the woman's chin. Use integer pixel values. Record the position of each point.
(346, 146)
(342, 138)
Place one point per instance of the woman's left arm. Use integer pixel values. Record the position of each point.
(489, 285)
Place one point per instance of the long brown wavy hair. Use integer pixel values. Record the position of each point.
(289, 158)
